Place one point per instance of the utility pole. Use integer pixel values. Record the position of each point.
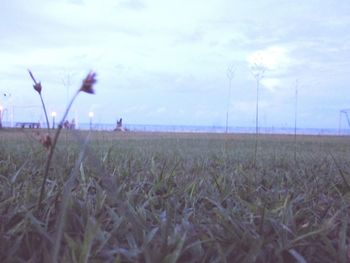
(230, 75)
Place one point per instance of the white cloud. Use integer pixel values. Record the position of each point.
(271, 84)
(160, 110)
(274, 57)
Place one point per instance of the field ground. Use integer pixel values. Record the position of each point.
(173, 197)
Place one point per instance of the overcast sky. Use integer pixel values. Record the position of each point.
(166, 62)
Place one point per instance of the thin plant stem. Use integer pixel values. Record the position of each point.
(230, 75)
(295, 120)
(52, 148)
(41, 98)
(228, 105)
(256, 122)
(47, 119)
(258, 73)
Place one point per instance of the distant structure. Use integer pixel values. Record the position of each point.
(119, 126)
(344, 112)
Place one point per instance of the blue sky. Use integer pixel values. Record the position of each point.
(165, 62)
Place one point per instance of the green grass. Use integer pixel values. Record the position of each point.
(155, 197)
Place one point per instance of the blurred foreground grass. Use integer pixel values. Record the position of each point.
(165, 197)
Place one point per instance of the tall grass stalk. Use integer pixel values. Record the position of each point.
(257, 71)
(86, 87)
(52, 149)
(230, 75)
(295, 120)
(256, 121)
(37, 87)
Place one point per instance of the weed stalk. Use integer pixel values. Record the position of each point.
(88, 82)
(37, 87)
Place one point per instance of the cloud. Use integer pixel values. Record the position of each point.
(160, 110)
(133, 4)
(272, 58)
(137, 109)
(271, 84)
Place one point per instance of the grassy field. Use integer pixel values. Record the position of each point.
(165, 197)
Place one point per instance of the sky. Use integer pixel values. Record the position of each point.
(167, 62)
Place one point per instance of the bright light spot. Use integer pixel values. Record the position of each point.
(91, 114)
(53, 114)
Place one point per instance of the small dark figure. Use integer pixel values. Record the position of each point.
(120, 125)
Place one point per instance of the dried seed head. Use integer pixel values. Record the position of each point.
(46, 141)
(37, 87)
(88, 82)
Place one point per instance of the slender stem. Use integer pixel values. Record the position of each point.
(41, 98)
(228, 104)
(230, 75)
(49, 158)
(256, 121)
(257, 108)
(295, 121)
(47, 119)
(258, 73)
(226, 121)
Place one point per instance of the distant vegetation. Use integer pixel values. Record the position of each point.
(164, 197)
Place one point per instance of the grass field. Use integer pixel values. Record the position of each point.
(165, 197)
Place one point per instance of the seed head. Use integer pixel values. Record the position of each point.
(46, 141)
(88, 82)
(37, 85)
(43, 139)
